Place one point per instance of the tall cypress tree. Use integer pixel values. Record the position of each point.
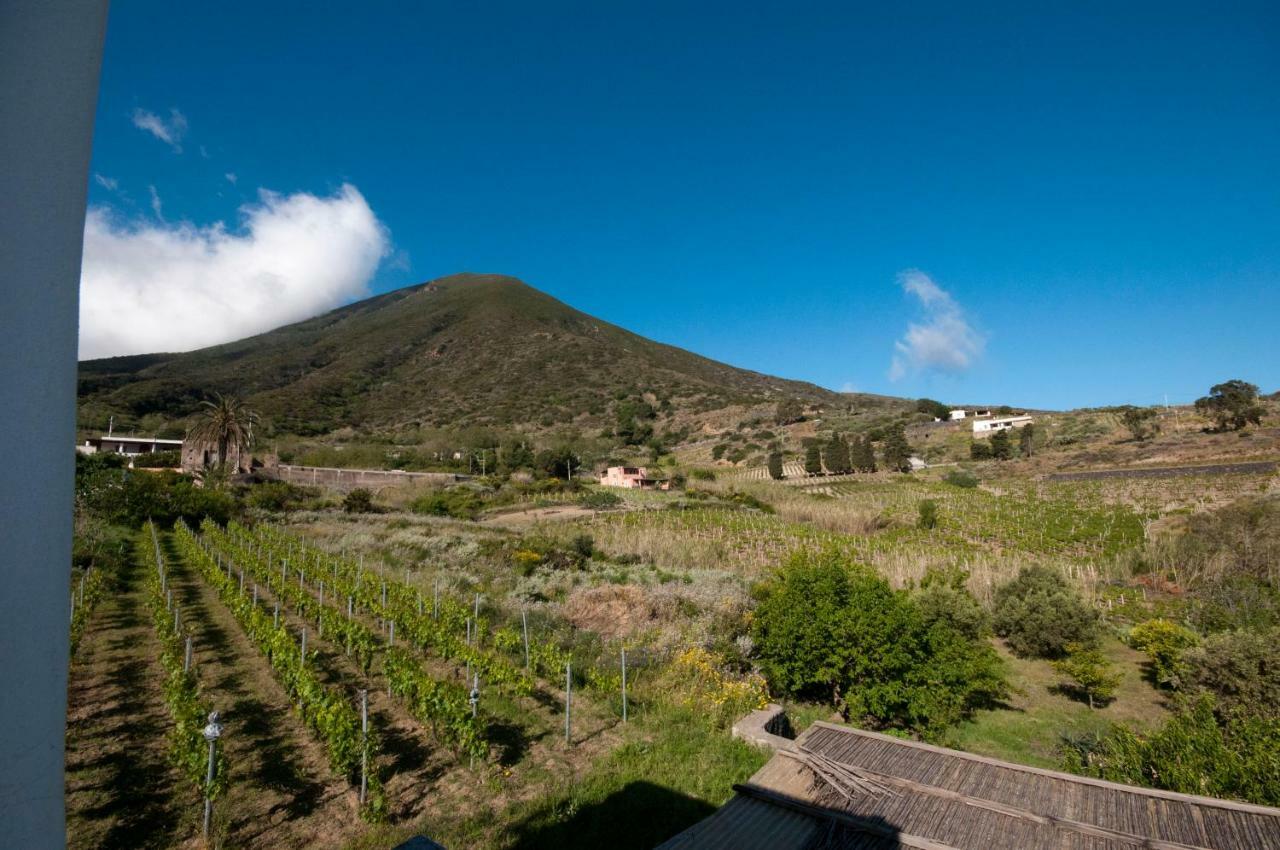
(897, 451)
(775, 465)
(813, 459)
(866, 455)
(837, 458)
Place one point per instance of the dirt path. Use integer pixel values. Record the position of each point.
(1252, 467)
(282, 792)
(121, 792)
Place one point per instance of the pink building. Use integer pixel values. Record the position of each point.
(632, 477)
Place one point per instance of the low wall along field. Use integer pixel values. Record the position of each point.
(345, 480)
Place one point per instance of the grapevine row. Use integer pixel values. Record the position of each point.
(324, 710)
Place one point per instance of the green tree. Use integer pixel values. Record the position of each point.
(979, 450)
(927, 512)
(1164, 642)
(897, 451)
(788, 411)
(1091, 674)
(1001, 445)
(813, 459)
(775, 465)
(837, 457)
(1240, 668)
(1026, 439)
(1039, 613)
(944, 597)
(1231, 405)
(516, 454)
(225, 425)
(358, 501)
(865, 454)
(934, 409)
(1142, 422)
(826, 628)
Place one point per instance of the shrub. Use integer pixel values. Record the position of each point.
(1164, 642)
(1235, 602)
(980, 450)
(158, 460)
(358, 501)
(584, 545)
(1193, 753)
(928, 514)
(1241, 669)
(1038, 613)
(702, 474)
(457, 503)
(275, 496)
(599, 500)
(944, 597)
(1090, 672)
(829, 629)
(961, 478)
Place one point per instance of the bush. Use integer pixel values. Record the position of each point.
(129, 498)
(980, 450)
(1241, 669)
(928, 514)
(358, 501)
(1038, 613)
(1164, 642)
(158, 460)
(1235, 602)
(584, 545)
(599, 500)
(1090, 673)
(1193, 753)
(961, 478)
(943, 597)
(458, 503)
(825, 628)
(702, 474)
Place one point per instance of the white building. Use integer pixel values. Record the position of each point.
(957, 415)
(1000, 423)
(130, 446)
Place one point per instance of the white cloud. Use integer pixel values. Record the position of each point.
(170, 132)
(231, 177)
(944, 342)
(148, 287)
(156, 206)
(108, 183)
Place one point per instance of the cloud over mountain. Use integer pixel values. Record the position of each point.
(159, 286)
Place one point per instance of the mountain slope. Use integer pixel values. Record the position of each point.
(465, 349)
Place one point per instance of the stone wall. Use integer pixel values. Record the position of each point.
(345, 480)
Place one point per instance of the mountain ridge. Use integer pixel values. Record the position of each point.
(466, 349)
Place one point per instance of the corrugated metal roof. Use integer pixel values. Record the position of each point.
(844, 788)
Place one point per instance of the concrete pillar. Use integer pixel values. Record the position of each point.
(50, 53)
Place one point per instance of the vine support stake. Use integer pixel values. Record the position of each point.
(186, 661)
(304, 647)
(255, 593)
(391, 640)
(524, 621)
(435, 601)
(211, 734)
(276, 620)
(364, 744)
(568, 701)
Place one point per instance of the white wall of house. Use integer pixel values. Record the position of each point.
(1004, 423)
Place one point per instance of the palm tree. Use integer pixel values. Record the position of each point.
(225, 423)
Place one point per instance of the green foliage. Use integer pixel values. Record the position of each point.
(1193, 753)
(1027, 440)
(980, 450)
(828, 628)
(279, 496)
(456, 502)
(158, 460)
(358, 501)
(933, 409)
(789, 411)
(600, 500)
(1241, 669)
(1241, 539)
(1232, 405)
(700, 474)
(1001, 445)
(813, 459)
(775, 465)
(1164, 642)
(943, 597)
(961, 478)
(129, 498)
(837, 455)
(1090, 673)
(897, 451)
(1229, 602)
(1039, 614)
(1142, 422)
(633, 418)
(516, 454)
(927, 512)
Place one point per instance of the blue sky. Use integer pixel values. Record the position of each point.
(1072, 204)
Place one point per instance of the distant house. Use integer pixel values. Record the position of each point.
(632, 478)
(128, 446)
(1000, 423)
(957, 414)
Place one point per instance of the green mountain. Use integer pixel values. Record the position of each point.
(462, 350)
